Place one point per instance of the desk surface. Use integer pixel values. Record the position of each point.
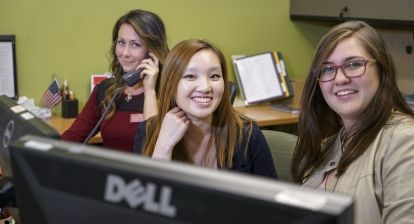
(263, 114)
(62, 124)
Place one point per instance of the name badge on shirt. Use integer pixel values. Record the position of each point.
(134, 118)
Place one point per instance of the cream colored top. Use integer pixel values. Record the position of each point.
(381, 179)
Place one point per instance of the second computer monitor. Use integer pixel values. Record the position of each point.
(16, 121)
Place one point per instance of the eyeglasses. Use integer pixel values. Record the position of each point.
(351, 69)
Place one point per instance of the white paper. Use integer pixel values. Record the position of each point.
(259, 77)
(6, 69)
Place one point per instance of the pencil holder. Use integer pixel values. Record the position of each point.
(69, 108)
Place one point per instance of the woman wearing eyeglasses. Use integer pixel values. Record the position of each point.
(356, 132)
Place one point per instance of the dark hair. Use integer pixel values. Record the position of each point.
(317, 121)
(227, 123)
(151, 30)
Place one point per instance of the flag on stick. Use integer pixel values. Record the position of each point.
(52, 95)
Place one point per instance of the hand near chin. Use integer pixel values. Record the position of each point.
(150, 72)
(173, 128)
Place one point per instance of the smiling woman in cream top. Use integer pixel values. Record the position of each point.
(356, 132)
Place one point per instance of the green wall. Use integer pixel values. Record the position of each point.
(72, 38)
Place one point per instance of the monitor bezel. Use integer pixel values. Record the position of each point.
(218, 180)
(18, 115)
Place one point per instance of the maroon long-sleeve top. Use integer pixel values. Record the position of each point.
(118, 132)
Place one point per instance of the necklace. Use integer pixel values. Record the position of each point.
(128, 97)
(132, 92)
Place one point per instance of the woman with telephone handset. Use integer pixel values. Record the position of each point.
(196, 122)
(138, 43)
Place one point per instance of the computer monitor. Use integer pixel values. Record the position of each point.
(15, 122)
(63, 182)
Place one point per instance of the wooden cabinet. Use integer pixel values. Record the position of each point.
(322, 9)
(379, 12)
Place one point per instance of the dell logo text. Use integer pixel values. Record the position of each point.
(136, 194)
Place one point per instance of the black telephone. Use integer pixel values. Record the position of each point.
(133, 77)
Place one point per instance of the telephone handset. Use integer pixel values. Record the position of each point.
(133, 77)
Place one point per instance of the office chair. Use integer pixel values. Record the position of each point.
(281, 146)
(233, 91)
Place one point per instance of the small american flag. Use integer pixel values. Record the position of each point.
(52, 95)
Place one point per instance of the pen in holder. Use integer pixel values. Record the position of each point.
(69, 108)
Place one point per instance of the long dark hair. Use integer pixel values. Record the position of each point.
(317, 121)
(227, 124)
(151, 30)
